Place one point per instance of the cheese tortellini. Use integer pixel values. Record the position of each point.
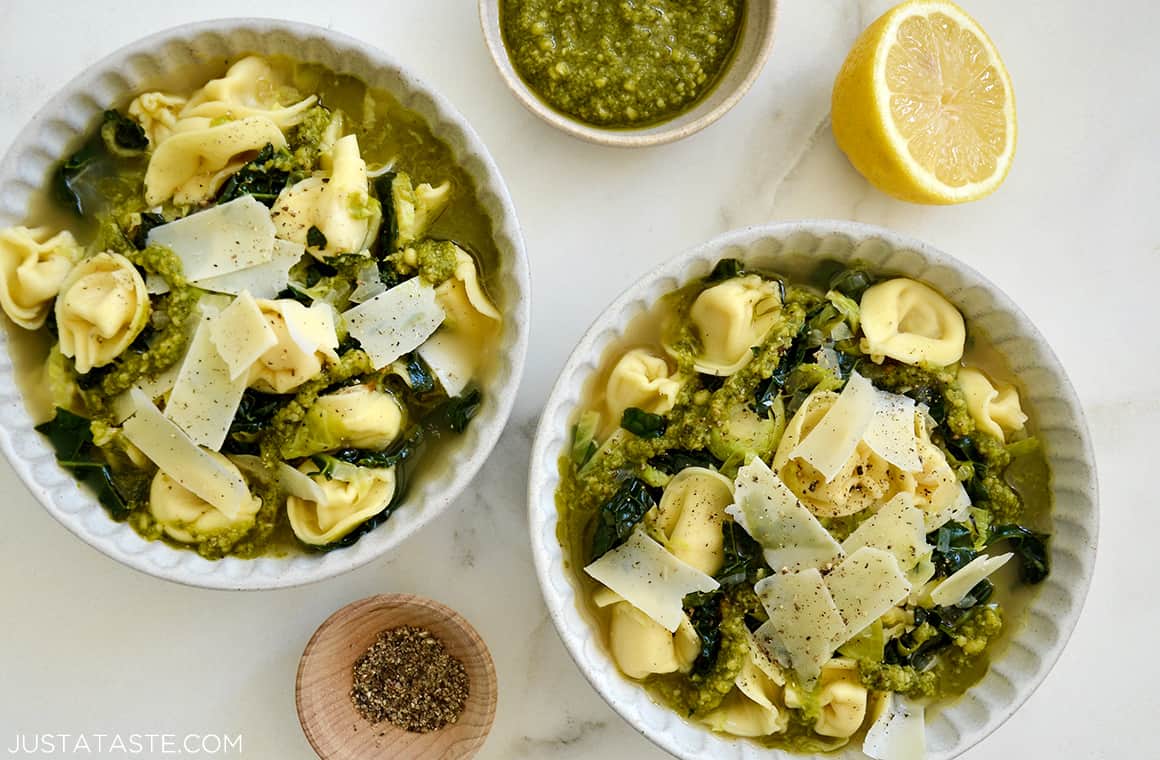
(641, 646)
(911, 322)
(756, 706)
(994, 407)
(640, 379)
(187, 518)
(102, 307)
(866, 481)
(306, 343)
(249, 88)
(690, 514)
(33, 265)
(417, 208)
(354, 417)
(351, 496)
(841, 697)
(158, 114)
(337, 203)
(192, 164)
(730, 319)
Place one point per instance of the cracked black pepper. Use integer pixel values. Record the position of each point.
(409, 678)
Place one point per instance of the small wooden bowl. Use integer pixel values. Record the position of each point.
(337, 731)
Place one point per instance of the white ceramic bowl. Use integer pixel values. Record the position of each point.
(175, 54)
(743, 68)
(1034, 643)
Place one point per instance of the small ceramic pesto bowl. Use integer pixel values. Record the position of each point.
(194, 53)
(1035, 634)
(749, 56)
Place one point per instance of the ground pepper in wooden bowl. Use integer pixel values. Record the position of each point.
(408, 678)
(396, 676)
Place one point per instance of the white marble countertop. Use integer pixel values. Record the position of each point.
(87, 645)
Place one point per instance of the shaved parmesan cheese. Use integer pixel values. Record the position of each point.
(395, 322)
(804, 626)
(891, 431)
(262, 281)
(866, 585)
(953, 589)
(155, 284)
(790, 535)
(205, 395)
(297, 483)
(175, 454)
(956, 511)
(899, 733)
(241, 335)
(223, 239)
(897, 528)
(311, 328)
(451, 364)
(650, 578)
(831, 443)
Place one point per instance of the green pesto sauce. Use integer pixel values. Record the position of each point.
(434, 260)
(628, 63)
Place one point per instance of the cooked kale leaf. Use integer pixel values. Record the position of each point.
(315, 238)
(619, 515)
(260, 178)
(643, 424)
(744, 559)
(72, 440)
(1030, 547)
(122, 135)
(674, 460)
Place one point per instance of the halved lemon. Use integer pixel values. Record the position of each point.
(923, 106)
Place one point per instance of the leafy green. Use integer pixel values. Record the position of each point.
(643, 424)
(725, 269)
(851, 282)
(315, 238)
(1029, 546)
(72, 439)
(253, 416)
(73, 173)
(261, 178)
(705, 614)
(956, 544)
(744, 559)
(139, 234)
(123, 136)
(460, 410)
(619, 515)
(674, 460)
(419, 374)
(389, 230)
(584, 437)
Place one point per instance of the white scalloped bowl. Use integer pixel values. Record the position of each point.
(176, 55)
(1031, 645)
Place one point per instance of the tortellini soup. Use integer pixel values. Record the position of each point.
(263, 303)
(801, 510)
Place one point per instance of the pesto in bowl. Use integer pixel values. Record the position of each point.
(622, 64)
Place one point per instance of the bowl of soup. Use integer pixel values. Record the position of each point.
(265, 304)
(814, 487)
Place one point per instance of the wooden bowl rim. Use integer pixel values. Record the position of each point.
(469, 744)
